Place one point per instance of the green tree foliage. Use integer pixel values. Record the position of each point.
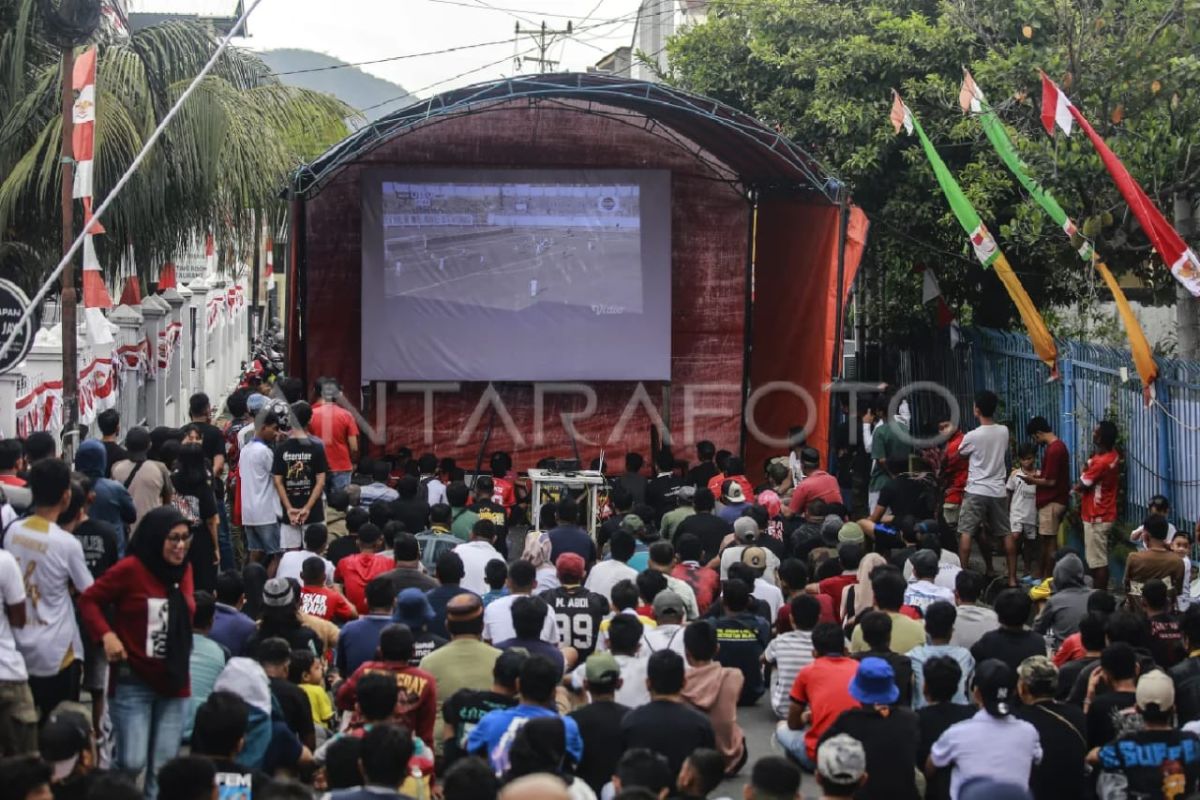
(225, 154)
(823, 70)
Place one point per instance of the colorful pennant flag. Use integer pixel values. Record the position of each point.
(985, 247)
(1058, 111)
(210, 255)
(83, 140)
(166, 277)
(269, 270)
(971, 99)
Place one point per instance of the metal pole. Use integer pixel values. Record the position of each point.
(839, 319)
(70, 368)
(255, 277)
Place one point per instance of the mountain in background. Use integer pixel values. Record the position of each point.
(351, 85)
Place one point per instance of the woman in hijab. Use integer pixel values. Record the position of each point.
(195, 499)
(858, 598)
(148, 643)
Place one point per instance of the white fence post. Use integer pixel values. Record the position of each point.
(175, 367)
(154, 313)
(131, 383)
(200, 303)
(218, 354)
(187, 375)
(10, 383)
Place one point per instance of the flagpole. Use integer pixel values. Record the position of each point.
(68, 297)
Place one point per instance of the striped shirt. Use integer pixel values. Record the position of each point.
(790, 652)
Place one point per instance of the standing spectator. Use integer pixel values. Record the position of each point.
(12, 462)
(714, 691)
(488, 508)
(877, 630)
(477, 553)
(889, 733)
(942, 678)
(1061, 614)
(378, 490)
(577, 611)
(110, 502)
(108, 422)
(1098, 489)
(497, 617)
(567, 536)
(633, 481)
(743, 637)
(953, 470)
(819, 695)
(52, 566)
(19, 716)
(212, 441)
(150, 597)
(1053, 484)
(435, 490)
(684, 496)
(608, 573)
(1022, 510)
(316, 537)
(466, 661)
(599, 721)
(661, 488)
(194, 498)
(355, 572)
(974, 619)
(1062, 730)
(984, 500)
(1012, 642)
(666, 724)
(1157, 761)
(923, 592)
(260, 501)
(359, 638)
(409, 508)
(299, 471)
(207, 660)
(992, 744)
(792, 651)
(817, 485)
(1156, 562)
(709, 528)
(231, 628)
(888, 586)
(98, 539)
(462, 518)
(889, 450)
(416, 702)
(449, 573)
(336, 428)
(939, 626)
(147, 481)
(704, 471)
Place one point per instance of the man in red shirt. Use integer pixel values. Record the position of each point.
(336, 428)
(416, 702)
(318, 599)
(1053, 484)
(954, 472)
(1098, 488)
(356, 571)
(734, 471)
(817, 484)
(820, 693)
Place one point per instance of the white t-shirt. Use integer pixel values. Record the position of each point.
(260, 501)
(986, 446)
(922, 594)
(12, 592)
(1022, 509)
(607, 574)
(633, 691)
(498, 624)
(293, 561)
(769, 594)
(949, 566)
(51, 562)
(476, 556)
(664, 637)
(435, 492)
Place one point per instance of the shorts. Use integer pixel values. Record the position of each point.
(95, 667)
(872, 501)
(977, 509)
(290, 537)
(1050, 517)
(950, 513)
(1095, 544)
(1026, 530)
(264, 538)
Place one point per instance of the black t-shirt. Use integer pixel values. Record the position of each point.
(1069, 672)
(490, 510)
(656, 494)
(600, 728)
(1150, 764)
(212, 441)
(1166, 640)
(673, 729)
(907, 496)
(901, 668)
(710, 529)
(572, 539)
(413, 513)
(423, 644)
(890, 743)
(196, 500)
(463, 710)
(804, 537)
(578, 613)
(1186, 675)
(115, 453)
(933, 721)
(701, 474)
(299, 462)
(742, 639)
(1010, 646)
(297, 711)
(1062, 729)
(236, 782)
(1110, 715)
(607, 528)
(99, 541)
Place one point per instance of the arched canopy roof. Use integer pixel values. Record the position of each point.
(758, 156)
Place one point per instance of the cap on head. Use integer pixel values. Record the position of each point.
(277, 593)
(1038, 673)
(745, 529)
(842, 760)
(755, 557)
(632, 523)
(1156, 688)
(571, 567)
(64, 736)
(602, 669)
(668, 604)
(850, 532)
(731, 492)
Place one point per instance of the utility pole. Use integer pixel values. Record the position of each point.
(544, 38)
(68, 299)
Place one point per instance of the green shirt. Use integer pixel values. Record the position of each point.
(887, 445)
(671, 520)
(459, 664)
(462, 520)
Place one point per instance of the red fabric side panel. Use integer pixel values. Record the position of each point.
(710, 225)
(795, 318)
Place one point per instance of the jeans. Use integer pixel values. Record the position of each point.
(793, 745)
(224, 540)
(340, 480)
(147, 728)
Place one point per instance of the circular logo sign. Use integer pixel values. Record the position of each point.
(13, 303)
(608, 203)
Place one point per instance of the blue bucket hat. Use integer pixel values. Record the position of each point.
(413, 609)
(875, 683)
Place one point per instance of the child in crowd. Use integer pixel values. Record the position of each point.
(495, 573)
(308, 672)
(1022, 508)
(1181, 545)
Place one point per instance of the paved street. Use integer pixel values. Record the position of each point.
(758, 723)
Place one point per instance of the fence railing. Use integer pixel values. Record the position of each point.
(1160, 442)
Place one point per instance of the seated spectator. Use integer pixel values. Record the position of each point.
(819, 695)
(187, 778)
(662, 559)
(942, 678)
(1092, 640)
(666, 724)
(841, 767)
(384, 761)
(528, 618)
(1062, 731)
(317, 598)
(1099, 602)
(496, 576)
(974, 619)
(281, 618)
(356, 571)
(849, 554)
(888, 586)
(463, 708)
(477, 554)
(669, 611)
(416, 699)
(360, 639)
(791, 651)
(1068, 603)
(67, 744)
(1186, 674)
(1012, 642)
(922, 592)
(316, 538)
(413, 609)
(378, 491)
(599, 720)
(743, 637)
(1110, 703)
(231, 628)
(497, 617)
(308, 672)
(436, 539)
(449, 572)
(577, 611)
(704, 581)
(625, 644)
(567, 537)
(222, 722)
(469, 778)
(714, 690)
(274, 655)
(702, 773)
(1166, 638)
(876, 628)
(408, 573)
(642, 769)
(540, 748)
(773, 777)
(939, 627)
(750, 570)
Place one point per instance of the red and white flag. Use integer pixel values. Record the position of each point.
(210, 255)
(83, 142)
(95, 290)
(1179, 258)
(269, 270)
(166, 277)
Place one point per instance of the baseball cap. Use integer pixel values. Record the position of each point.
(809, 457)
(1155, 688)
(667, 602)
(830, 527)
(769, 500)
(62, 739)
(745, 529)
(755, 557)
(1038, 673)
(850, 532)
(925, 560)
(685, 493)
(413, 609)
(841, 760)
(731, 490)
(570, 567)
(602, 668)
(277, 592)
(632, 523)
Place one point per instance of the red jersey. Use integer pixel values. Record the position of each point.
(1056, 464)
(1099, 480)
(328, 604)
(334, 426)
(714, 486)
(416, 702)
(954, 470)
(825, 686)
(503, 492)
(705, 582)
(356, 571)
(820, 485)
(833, 587)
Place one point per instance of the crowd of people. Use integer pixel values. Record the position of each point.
(261, 610)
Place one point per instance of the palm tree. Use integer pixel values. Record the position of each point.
(225, 155)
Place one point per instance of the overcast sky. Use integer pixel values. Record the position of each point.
(363, 30)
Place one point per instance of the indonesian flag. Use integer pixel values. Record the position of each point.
(166, 277)
(83, 132)
(131, 295)
(269, 271)
(1179, 258)
(901, 117)
(970, 96)
(210, 255)
(95, 291)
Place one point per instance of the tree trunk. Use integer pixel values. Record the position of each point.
(1187, 308)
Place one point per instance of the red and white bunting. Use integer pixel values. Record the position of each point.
(83, 142)
(210, 255)
(41, 409)
(269, 271)
(166, 277)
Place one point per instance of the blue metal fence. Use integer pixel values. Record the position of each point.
(1160, 443)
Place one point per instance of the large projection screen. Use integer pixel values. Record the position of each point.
(516, 275)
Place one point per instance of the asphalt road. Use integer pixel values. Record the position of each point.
(758, 722)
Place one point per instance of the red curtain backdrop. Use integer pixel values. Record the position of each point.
(795, 326)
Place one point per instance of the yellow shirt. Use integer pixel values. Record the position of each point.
(322, 706)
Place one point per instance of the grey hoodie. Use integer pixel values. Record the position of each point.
(1068, 604)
